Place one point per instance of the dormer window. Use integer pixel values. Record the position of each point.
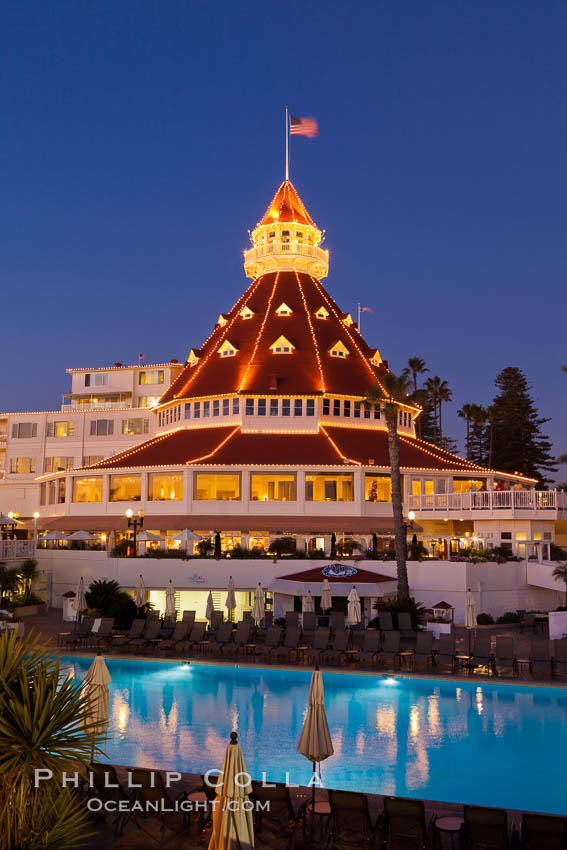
(284, 310)
(376, 359)
(222, 320)
(348, 320)
(282, 346)
(339, 349)
(227, 349)
(246, 313)
(194, 357)
(322, 313)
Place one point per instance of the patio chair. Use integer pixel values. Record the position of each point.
(222, 637)
(340, 644)
(370, 646)
(386, 621)
(150, 635)
(201, 796)
(290, 644)
(152, 791)
(135, 630)
(180, 633)
(106, 787)
(486, 828)
(82, 631)
(196, 636)
(278, 817)
(540, 657)
(504, 655)
(241, 638)
(403, 824)
(481, 655)
(320, 644)
(216, 620)
(423, 653)
(560, 657)
(273, 639)
(291, 619)
(309, 624)
(544, 832)
(104, 633)
(405, 625)
(337, 621)
(446, 655)
(246, 617)
(390, 652)
(167, 626)
(351, 822)
(188, 617)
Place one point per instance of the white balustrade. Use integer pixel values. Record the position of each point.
(13, 550)
(489, 500)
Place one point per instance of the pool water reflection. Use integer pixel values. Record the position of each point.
(483, 743)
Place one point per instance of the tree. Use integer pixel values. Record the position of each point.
(478, 435)
(560, 574)
(466, 413)
(439, 392)
(518, 444)
(28, 573)
(394, 388)
(9, 581)
(416, 366)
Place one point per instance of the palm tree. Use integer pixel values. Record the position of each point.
(491, 417)
(9, 580)
(479, 418)
(560, 574)
(416, 366)
(28, 572)
(466, 413)
(439, 392)
(393, 388)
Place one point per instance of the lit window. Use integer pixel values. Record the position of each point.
(87, 489)
(153, 376)
(339, 349)
(348, 320)
(274, 406)
(227, 349)
(376, 359)
(283, 310)
(310, 407)
(299, 235)
(377, 488)
(60, 429)
(282, 346)
(125, 488)
(22, 465)
(246, 313)
(322, 313)
(285, 236)
(148, 400)
(221, 486)
(135, 426)
(90, 460)
(194, 357)
(298, 407)
(222, 320)
(58, 464)
(162, 488)
(261, 407)
(272, 487)
(328, 488)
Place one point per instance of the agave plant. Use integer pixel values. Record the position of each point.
(44, 724)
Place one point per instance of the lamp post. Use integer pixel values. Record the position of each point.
(35, 519)
(408, 525)
(135, 523)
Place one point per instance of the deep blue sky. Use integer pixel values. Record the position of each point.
(140, 140)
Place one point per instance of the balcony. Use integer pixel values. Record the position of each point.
(544, 504)
(99, 403)
(273, 256)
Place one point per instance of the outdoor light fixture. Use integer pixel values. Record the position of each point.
(135, 523)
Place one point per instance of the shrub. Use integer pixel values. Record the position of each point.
(484, 619)
(205, 547)
(282, 546)
(509, 617)
(347, 546)
(121, 549)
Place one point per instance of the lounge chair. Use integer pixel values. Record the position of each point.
(278, 817)
(290, 644)
(403, 825)
(544, 832)
(273, 640)
(370, 646)
(150, 635)
(241, 638)
(390, 652)
(188, 617)
(82, 631)
(135, 631)
(222, 637)
(423, 653)
(351, 821)
(560, 657)
(446, 655)
(540, 657)
(481, 655)
(104, 633)
(405, 625)
(309, 624)
(180, 633)
(505, 655)
(196, 637)
(337, 621)
(386, 622)
(340, 644)
(320, 644)
(217, 618)
(167, 627)
(291, 619)
(486, 828)
(152, 791)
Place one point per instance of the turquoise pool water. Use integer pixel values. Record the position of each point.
(483, 743)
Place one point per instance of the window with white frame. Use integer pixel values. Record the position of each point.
(24, 430)
(61, 428)
(58, 464)
(150, 376)
(101, 427)
(22, 465)
(96, 379)
(135, 426)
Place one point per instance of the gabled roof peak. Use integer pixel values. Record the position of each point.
(287, 206)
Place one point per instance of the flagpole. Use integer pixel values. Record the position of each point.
(359, 331)
(286, 142)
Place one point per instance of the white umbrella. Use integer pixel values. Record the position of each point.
(80, 601)
(353, 608)
(307, 605)
(230, 596)
(148, 537)
(210, 606)
(315, 739)
(233, 827)
(186, 536)
(96, 681)
(140, 593)
(470, 615)
(54, 535)
(81, 535)
(7, 520)
(326, 600)
(170, 600)
(259, 609)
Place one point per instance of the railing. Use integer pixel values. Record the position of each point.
(97, 405)
(278, 248)
(490, 500)
(16, 549)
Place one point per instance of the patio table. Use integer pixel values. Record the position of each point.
(450, 826)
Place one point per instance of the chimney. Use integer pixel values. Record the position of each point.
(118, 365)
(273, 382)
(174, 360)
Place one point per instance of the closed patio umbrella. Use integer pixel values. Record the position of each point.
(230, 598)
(259, 608)
(217, 551)
(470, 615)
(140, 593)
(315, 739)
(326, 599)
(210, 606)
(233, 827)
(96, 681)
(170, 600)
(354, 615)
(80, 600)
(307, 604)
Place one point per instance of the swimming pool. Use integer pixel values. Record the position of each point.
(465, 742)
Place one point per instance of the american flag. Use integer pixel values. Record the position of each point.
(366, 310)
(303, 126)
(141, 356)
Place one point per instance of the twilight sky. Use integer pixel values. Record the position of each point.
(140, 140)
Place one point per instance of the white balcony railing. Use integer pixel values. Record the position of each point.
(16, 549)
(273, 249)
(491, 500)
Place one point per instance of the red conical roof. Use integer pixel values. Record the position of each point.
(287, 206)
